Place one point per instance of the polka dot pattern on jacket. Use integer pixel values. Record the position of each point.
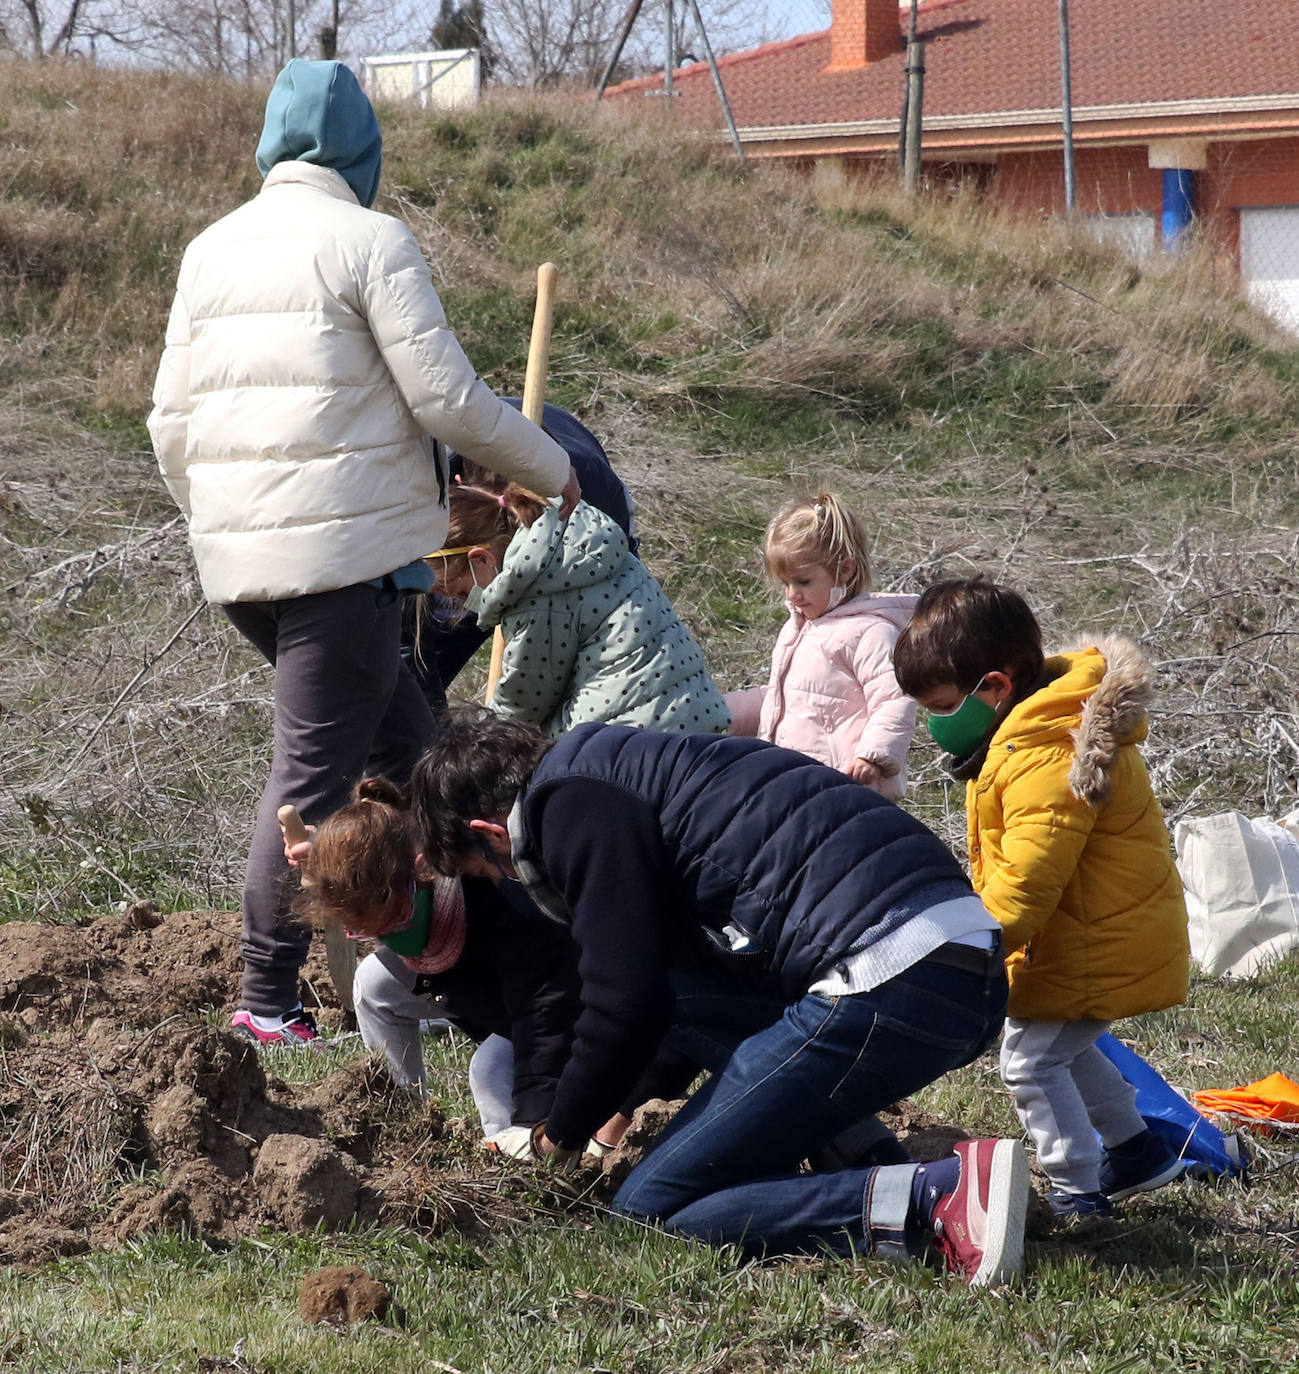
(591, 636)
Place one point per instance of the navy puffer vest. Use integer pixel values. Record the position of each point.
(780, 858)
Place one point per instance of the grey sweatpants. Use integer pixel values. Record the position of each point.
(346, 707)
(388, 1014)
(1067, 1093)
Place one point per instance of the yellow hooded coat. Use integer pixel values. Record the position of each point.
(1069, 850)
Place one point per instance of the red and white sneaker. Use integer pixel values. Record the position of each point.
(297, 1029)
(979, 1226)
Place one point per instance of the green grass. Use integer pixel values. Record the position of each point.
(1193, 1278)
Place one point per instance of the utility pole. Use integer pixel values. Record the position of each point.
(328, 36)
(1066, 110)
(669, 51)
(914, 107)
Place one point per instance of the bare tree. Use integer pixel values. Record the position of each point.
(52, 28)
(253, 38)
(545, 42)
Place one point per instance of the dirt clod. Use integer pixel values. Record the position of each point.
(306, 1183)
(342, 1295)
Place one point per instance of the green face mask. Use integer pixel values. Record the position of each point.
(411, 938)
(960, 732)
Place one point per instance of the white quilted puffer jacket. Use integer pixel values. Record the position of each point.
(308, 362)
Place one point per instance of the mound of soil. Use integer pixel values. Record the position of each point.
(123, 1110)
(67, 975)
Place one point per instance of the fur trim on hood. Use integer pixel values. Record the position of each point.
(1113, 715)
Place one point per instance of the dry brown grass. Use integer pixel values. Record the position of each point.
(701, 268)
(995, 396)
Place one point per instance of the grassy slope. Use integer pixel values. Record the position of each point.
(1116, 441)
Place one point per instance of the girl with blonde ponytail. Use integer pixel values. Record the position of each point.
(832, 694)
(589, 634)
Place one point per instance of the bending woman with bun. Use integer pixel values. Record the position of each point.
(467, 949)
(441, 949)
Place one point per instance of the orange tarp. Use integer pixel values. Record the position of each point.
(1274, 1098)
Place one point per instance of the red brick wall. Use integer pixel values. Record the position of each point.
(1265, 172)
(1110, 181)
(1117, 181)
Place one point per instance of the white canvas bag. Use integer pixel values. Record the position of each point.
(1242, 890)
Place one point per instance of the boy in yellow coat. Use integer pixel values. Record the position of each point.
(1069, 851)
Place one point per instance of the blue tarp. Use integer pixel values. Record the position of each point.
(1171, 1117)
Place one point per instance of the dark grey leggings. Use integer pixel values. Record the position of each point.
(346, 707)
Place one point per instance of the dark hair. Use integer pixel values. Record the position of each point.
(963, 629)
(474, 770)
(362, 858)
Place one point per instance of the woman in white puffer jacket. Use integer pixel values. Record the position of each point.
(308, 382)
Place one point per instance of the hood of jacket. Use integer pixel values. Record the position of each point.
(1097, 697)
(318, 113)
(551, 556)
(897, 609)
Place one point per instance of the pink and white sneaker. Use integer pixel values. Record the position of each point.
(979, 1226)
(296, 1029)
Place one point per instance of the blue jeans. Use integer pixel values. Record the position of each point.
(725, 1169)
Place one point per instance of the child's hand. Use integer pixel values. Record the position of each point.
(514, 1142)
(871, 771)
(298, 838)
(297, 853)
(863, 770)
(529, 1142)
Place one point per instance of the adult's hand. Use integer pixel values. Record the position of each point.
(571, 494)
(554, 1154)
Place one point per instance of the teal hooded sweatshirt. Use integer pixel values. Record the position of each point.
(317, 112)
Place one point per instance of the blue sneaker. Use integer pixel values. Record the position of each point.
(1067, 1206)
(1139, 1165)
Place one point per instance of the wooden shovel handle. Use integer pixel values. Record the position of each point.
(340, 952)
(291, 825)
(534, 408)
(543, 318)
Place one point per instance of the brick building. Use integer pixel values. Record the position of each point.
(1180, 108)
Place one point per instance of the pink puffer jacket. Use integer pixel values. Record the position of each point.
(832, 693)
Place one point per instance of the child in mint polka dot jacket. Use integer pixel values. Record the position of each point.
(589, 634)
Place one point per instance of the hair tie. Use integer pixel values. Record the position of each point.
(502, 502)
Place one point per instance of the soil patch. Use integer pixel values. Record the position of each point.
(123, 1109)
(139, 968)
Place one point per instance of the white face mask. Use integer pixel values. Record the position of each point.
(473, 602)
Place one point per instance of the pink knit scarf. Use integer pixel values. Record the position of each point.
(446, 936)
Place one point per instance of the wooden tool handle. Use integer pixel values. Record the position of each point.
(534, 380)
(295, 832)
(534, 408)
